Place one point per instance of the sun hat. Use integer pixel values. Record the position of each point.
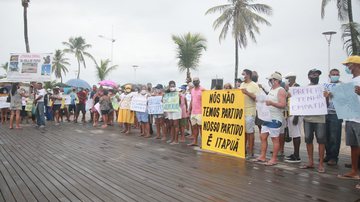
(275, 75)
(355, 59)
(290, 74)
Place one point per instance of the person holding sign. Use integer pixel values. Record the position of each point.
(155, 102)
(315, 125)
(195, 110)
(250, 89)
(143, 116)
(16, 95)
(56, 98)
(276, 100)
(173, 112)
(126, 116)
(352, 126)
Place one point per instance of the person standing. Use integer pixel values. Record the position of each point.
(315, 125)
(39, 101)
(82, 96)
(333, 124)
(126, 116)
(16, 95)
(294, 124)
(352, 126)
(72, 106)
(196, 110)
(249, 89)
(276, 100)
(56, 99)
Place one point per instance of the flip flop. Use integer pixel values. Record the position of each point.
(321, 170)
(192, 145)
(357, 186)
(258, 160)
(268, 163)
(347, 177)
(306, 167)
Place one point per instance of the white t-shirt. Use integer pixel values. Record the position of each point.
(356, 82)
(39, 93)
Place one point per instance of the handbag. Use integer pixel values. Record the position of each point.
(287, 135)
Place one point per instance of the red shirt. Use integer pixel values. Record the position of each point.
(82, 97)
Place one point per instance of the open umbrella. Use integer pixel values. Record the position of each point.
(108, 83)
(78, 83)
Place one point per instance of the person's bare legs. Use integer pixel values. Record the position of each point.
(12, 114)
(264, 145)
(17, 124)
(105, 120)
(281, 143)
(355, 152)
(321, 156)
(310, 151)
(95, 119)
(195, 134)
(250, 139)
(276, 148)
(146, 126)
(158, 128)
(182, 133)
(176, 131)
(163, 128)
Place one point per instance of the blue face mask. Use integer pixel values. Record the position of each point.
(347, 70)
(334, 79)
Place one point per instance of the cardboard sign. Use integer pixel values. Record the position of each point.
(138, 103)
(3, 103)
(223, 122)
(346, 101)
(305, 101)
(155, 105)
(29, 67)
(171, 102)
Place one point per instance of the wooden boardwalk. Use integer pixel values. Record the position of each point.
(73, 162)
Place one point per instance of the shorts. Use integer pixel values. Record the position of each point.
(195, 119)
(352, 130)
(158, 116)
(80, 108)
(319, 129)
(183, 122)
(72, 108)
(142, 117)
(105, 112)
(173, 115)
(56, 107)
(294, 130)
(249, 124)
(273, 128)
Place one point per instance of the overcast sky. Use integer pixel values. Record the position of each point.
(143, 30)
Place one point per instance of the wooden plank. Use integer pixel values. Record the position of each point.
(4, 188)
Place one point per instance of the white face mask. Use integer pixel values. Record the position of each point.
(143, 92)
(172, 89)
(242, 77)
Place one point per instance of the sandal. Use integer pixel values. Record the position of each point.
(321, 170)
(268, 163)
(306, 167)
(258, 160)
(348, 177)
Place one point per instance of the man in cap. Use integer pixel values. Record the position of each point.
(294, 124)
(195, 110)
(352, 126)
(314, 125)
(39, 100)
(276, 101)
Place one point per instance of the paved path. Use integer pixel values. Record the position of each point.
(74, 162)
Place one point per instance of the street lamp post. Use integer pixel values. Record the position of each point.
(135, 68)
(328, 36)
(112, 40)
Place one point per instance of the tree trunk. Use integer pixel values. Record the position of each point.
(61, 78)
(355, 48)
(78, 76)
(26, 29)
(188, 76)
(236, 60)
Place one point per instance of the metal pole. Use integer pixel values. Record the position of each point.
(328, 36)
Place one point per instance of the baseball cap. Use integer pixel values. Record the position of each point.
(275, 75)
(355, 59)
(314, 71)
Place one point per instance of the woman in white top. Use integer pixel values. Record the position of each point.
(276, 100)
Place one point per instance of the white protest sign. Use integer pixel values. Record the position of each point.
(155, 105)
(29, 67)
(307, 101)
(138, 103)
(263, 111)
(3, 103)
(97, 108)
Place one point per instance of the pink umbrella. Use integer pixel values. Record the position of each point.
(108, 83)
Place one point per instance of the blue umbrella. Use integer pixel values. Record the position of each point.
(78, 83)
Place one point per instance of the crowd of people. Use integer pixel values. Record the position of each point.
(109, 105)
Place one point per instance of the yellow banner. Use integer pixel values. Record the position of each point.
(223, 122)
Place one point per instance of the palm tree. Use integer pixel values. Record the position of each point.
(347, 39)
(49, 84)
(103, 70)
(189, 48)
(25, 4)
(345, 14)
(242, 16)
(59, 64)
(78, 46)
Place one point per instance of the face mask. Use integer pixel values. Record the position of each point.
(314, 80)
(242, 77)
(334, 79)
(172, 89)
(347, 70)
(196, 83)
(143, 92)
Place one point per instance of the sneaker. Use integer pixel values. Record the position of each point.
(42, 126)
(289, 157)
(293, 160)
